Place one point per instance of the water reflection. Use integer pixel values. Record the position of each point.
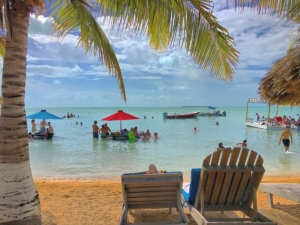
(104, 143)
(132, 145)
(95, 144)
(284, 160)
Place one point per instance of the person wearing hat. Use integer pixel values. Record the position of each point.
(285, 138)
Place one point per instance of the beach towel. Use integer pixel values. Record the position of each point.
(189, 190)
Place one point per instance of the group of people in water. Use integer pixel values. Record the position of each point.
(242, 144)
(286, 138)
(132, 134)
(284, 120)
(69, 115)
(48, 132)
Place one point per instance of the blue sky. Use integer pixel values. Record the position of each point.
(60, 75)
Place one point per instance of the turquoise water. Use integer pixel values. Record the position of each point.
(74, 154)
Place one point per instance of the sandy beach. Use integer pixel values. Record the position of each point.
(100, 202)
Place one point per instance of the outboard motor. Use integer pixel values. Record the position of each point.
(224, 113)
(165, 115)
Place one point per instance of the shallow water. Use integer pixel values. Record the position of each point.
(74, 154)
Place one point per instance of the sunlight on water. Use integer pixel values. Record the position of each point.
(74, 154)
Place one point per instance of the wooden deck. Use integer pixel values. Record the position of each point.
(284, 190)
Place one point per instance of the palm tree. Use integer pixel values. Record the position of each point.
(187, 23)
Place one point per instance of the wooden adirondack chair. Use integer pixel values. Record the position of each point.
(229, 182)
(152, 191)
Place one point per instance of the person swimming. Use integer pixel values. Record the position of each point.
(243, 144)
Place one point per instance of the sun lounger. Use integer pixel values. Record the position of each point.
(152, 191)
(284, 190)
(228, 182)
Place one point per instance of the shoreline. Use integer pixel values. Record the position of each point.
(118, 179)
(79, 202)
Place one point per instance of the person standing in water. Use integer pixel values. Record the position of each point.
(33, 126)
(95, 129)
(43, 126)
(285, 138)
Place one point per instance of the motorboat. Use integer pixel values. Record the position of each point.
(180, 116)
(215, 113)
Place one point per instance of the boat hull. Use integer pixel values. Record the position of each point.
(214, 114)
(210, 114)
(181, 116)
(270, 126)
(42, 136)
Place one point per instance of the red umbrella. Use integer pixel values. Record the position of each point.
(120, 115)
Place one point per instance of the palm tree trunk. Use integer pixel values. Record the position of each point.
(19, 200)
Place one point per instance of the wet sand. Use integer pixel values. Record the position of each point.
(100, 202)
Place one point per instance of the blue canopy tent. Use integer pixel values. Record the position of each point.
(43, 114)
(211, 107)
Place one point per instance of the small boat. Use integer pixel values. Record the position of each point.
(215, 113)
(39, 135)
(211, 107)
(180, 116)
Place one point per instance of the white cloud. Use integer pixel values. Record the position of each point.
(77, 68)
(147, 74)
(180, 88)
(164, 97)
(144, 78)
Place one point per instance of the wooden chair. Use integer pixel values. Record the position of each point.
(152, 191)
(229, 182)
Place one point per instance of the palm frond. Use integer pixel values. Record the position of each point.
(296, 40)
(2, 46)
(189, 23)
(294, 13)
(288, 9)
(76, 15)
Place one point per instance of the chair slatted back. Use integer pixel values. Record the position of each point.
(228, 178)
(141, 191)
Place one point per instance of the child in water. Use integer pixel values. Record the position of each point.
(244, 143)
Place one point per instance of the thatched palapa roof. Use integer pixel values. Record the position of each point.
(281, 85)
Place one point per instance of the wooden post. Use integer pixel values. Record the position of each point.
(270, 200)
(268, 118)
(247, 111)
